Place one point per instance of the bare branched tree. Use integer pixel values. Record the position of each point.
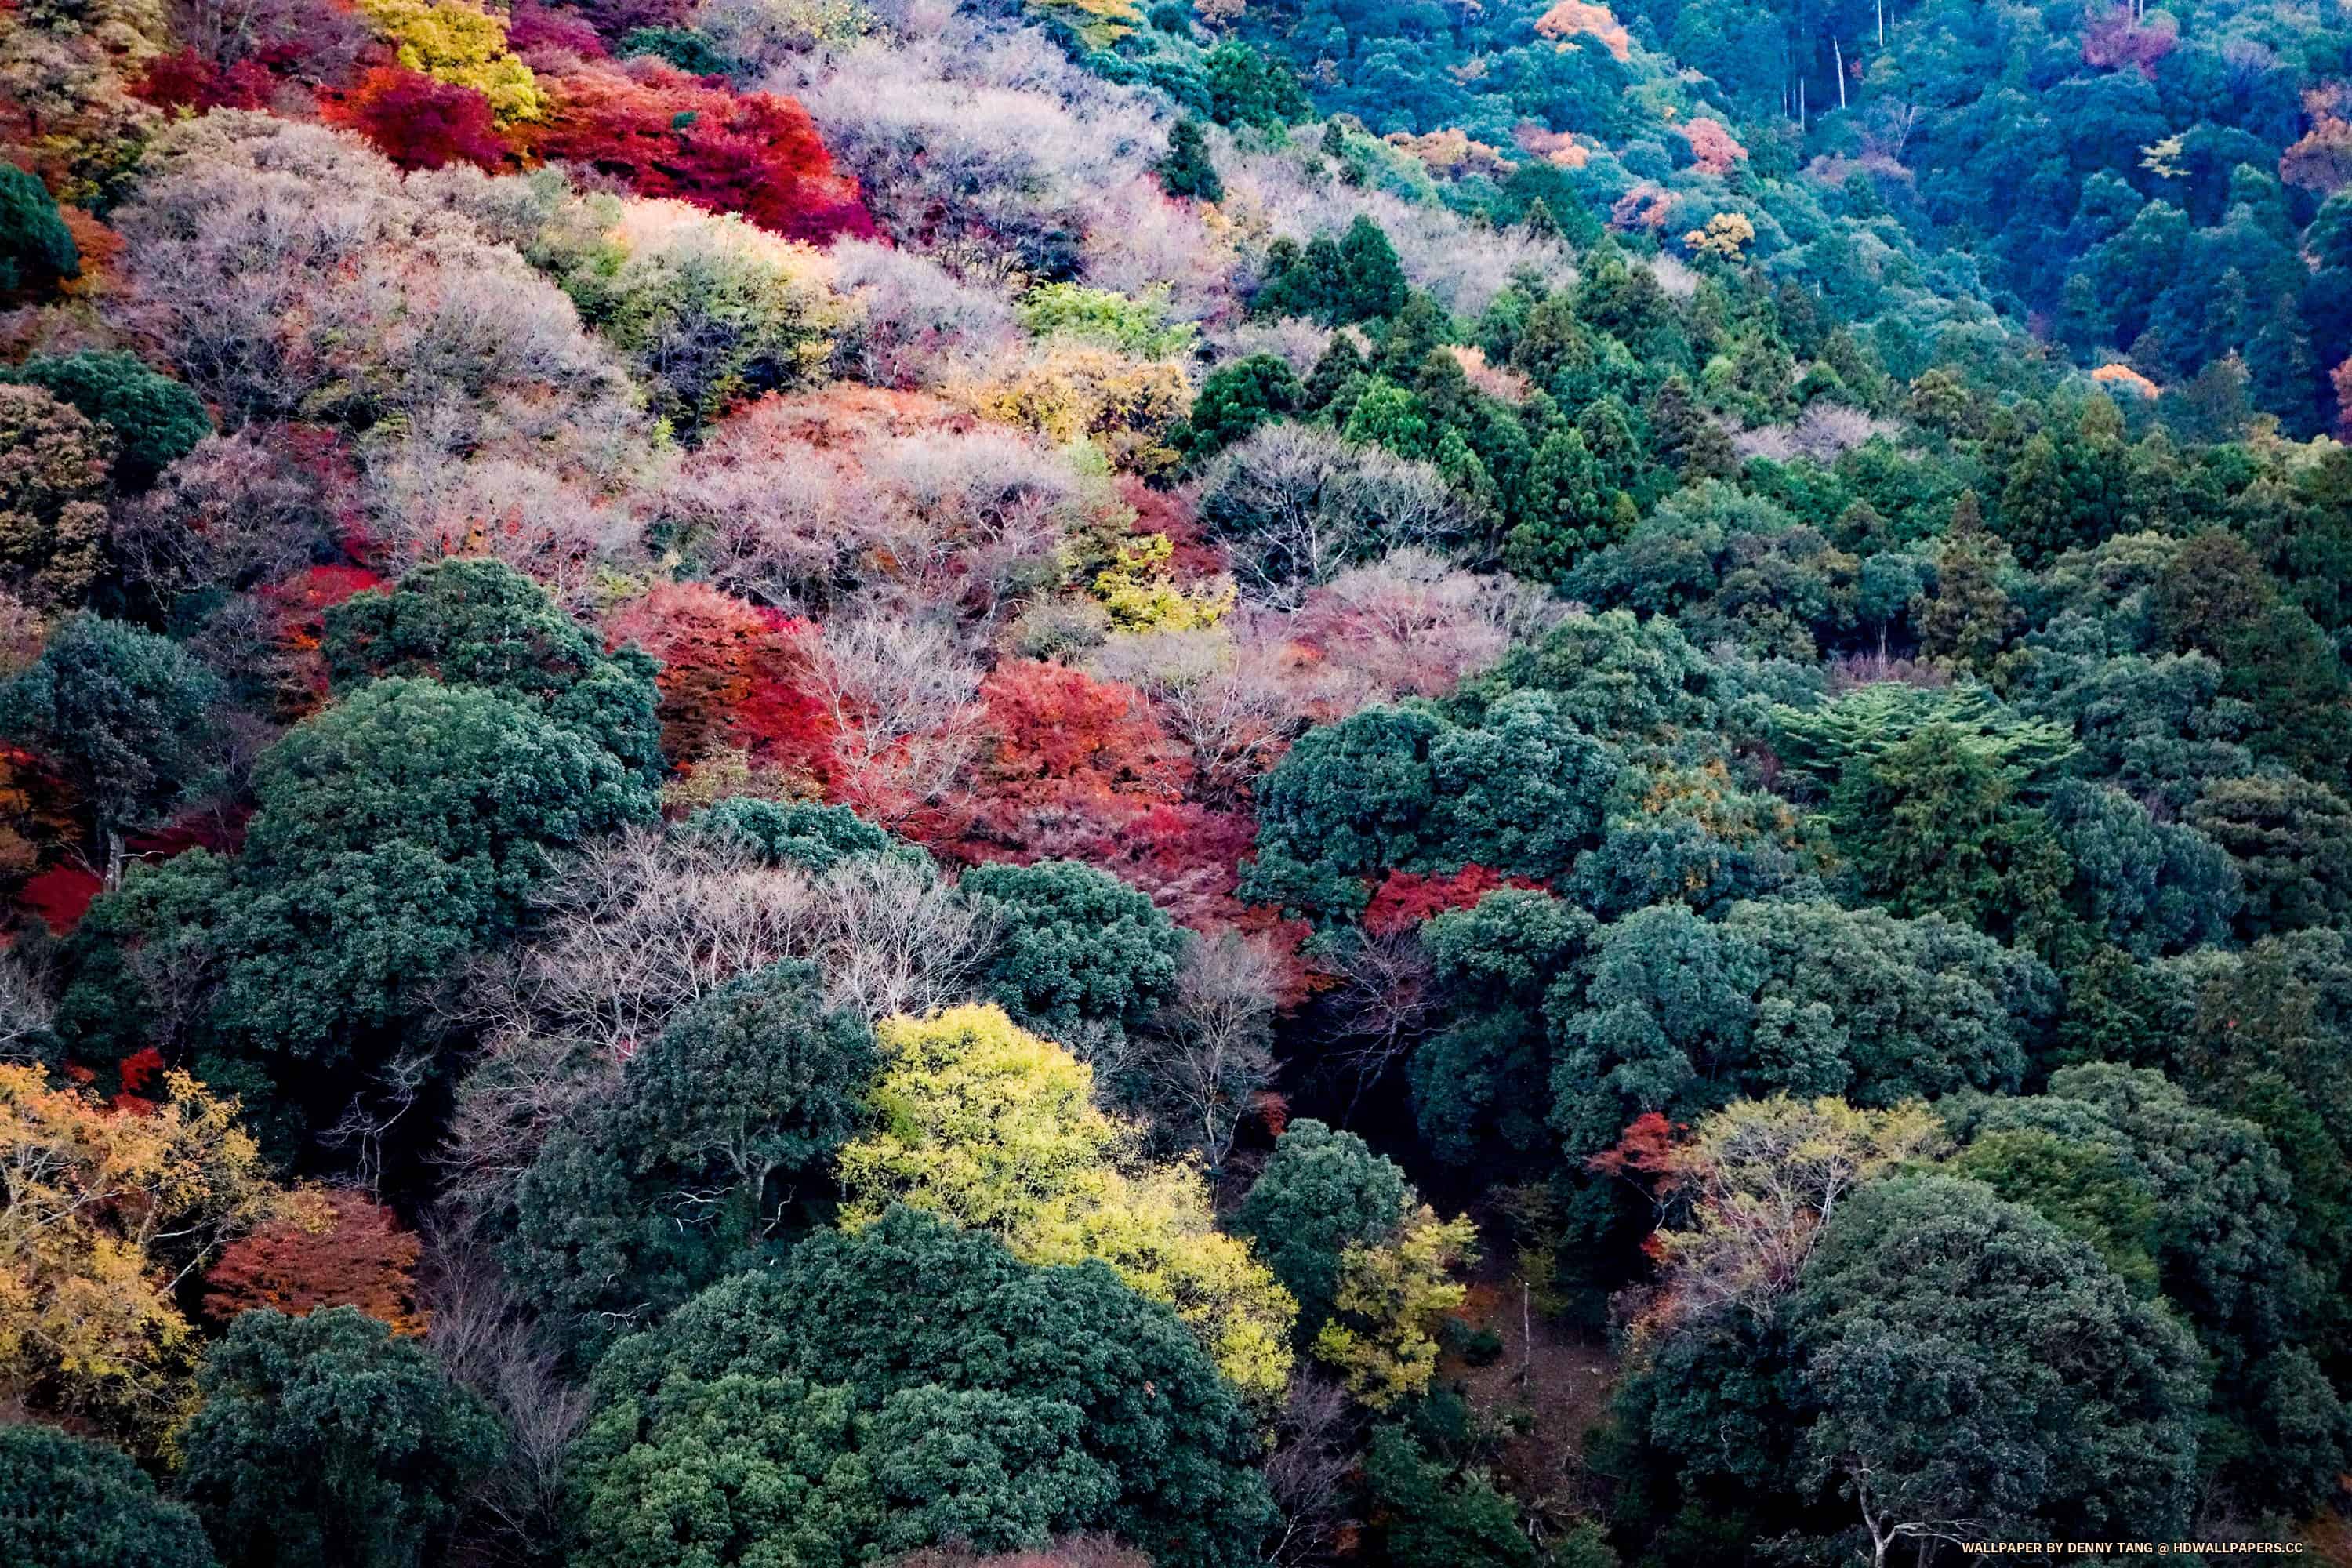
(1307, 1473)
(485, 1341)
(1383, 1006)
(1211, 1054)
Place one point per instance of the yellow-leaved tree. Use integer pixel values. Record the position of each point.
(1382, 1336)
(107, 1208)
(994, 1128)
(465, 45)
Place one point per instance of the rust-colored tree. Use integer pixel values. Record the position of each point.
(340, 1249)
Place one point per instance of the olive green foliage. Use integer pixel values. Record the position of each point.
(325, 1440)
(54, 477)
(71, 1503)
(156, 420)
(808, 1403)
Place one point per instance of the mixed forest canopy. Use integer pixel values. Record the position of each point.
(1248, 784)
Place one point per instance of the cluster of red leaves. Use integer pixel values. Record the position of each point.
(357, 1257)
(1653, 1154)
(732, 676)
(418, 122)
(666, 133)
(299, 605)
(60, 896)
(1074, 768)
(2118, 38)
(190, 81)
(1405, 898)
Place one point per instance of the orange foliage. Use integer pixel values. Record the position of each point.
(1555, 147)
(1646, 205)
(731, 676)
(341, 1249)
(1451, 150)
(2322, 161)
(1584, 19)
(2123, 378)
(666, 133)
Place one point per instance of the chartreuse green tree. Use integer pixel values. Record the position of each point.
(71, 1503)
(156, 420)
(983, 1122)
(813, 1412)
(325, 1440)
(693, 1164)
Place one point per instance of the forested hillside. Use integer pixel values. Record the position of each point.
(800, 783)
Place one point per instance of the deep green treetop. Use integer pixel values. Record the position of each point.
(1970, 1360)
(72, 1502)
(1188, 170)
(37, 250)
(478, 623)
(1077, 950)
(801, 832)
(1060, 1373)
(123, 713)
(325, 1440)
(1322, 1192)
